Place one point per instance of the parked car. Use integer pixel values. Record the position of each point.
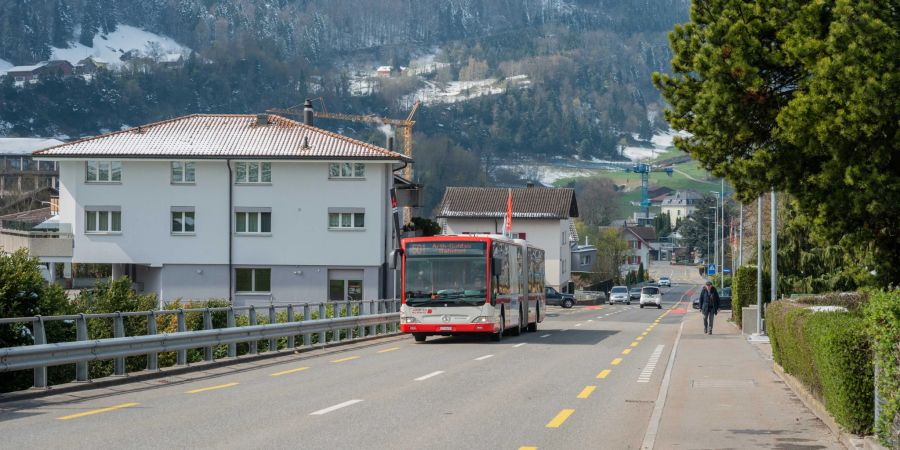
(665, 281)
(619, 294)
(557, 298)
(696, 302)
(634, 293)
(651, 296)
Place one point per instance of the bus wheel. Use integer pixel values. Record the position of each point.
(419, 337)
(517, 330)
(499, 335)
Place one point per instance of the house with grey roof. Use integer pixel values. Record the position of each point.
(540, 215)
(258, 209)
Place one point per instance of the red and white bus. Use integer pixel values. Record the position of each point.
(471, 284)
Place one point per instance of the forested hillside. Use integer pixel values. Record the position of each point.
(586, 66)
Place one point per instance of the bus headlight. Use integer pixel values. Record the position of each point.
(408, 319)
(482, 319)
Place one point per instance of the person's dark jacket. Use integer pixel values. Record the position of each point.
(709, 301)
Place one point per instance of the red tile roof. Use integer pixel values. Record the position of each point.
(219, 136)
(488, 202)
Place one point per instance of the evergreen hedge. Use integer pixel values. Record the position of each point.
(829, 353)
(743, 292)
(882, 315)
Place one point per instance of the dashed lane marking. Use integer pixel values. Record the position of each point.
(285, 372)
(98, 411)
(212, 388)
(651, 365)
(482, 358)
(626, 351)
(519, 345)
(634, 344)
(349, 358)
(560, 418)
(603, 374)
(335, 407)
(587, 391)
(389, 350)
(432, 374)
(577, 324)
(616, 361)
(546, 335)
(528, 448)
(639, 338)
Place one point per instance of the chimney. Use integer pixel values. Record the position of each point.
(308, 112)
(262, 120)
(529, 185)
(390, 143)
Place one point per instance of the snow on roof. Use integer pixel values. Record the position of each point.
(4, 65)
(219, 136)
(26, 68)
(170, 57)
(25, 146)
(384, 68)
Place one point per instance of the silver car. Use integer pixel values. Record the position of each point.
(619, 294)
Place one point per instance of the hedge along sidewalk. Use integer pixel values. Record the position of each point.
(882, 316)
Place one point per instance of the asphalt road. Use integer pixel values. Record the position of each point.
(587, 379)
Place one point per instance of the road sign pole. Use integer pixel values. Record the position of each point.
(759, 264)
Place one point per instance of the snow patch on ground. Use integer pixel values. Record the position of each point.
(547, 174)
(4, 65)
(639, 153)
(126, 38)
(665, 140)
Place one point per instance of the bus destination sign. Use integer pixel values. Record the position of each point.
(445, 249)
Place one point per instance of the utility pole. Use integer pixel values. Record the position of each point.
(741, 238)
(722, 241)
(774, 270)
(759, 265)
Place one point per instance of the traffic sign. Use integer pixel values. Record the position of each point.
(726, 270)
(711, 270)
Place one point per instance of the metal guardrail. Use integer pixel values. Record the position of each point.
(363, 318)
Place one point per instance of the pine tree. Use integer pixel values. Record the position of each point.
(90, 23)
(62, 25)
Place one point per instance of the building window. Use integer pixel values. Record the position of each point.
(346, 170)
(253, 220)
(183, 172)
(585, 259)
(183, 220)
(252, 172)
(104, 172)
(253, 280)
(346, 218)
(103, 220)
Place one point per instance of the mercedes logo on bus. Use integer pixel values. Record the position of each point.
(445, 318)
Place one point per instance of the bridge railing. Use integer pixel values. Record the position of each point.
(287, 327)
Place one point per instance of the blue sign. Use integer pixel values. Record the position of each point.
(711, 270)
(726, 270)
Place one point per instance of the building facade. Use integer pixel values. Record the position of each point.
(542, 216)
(679, 205)
(257, 209)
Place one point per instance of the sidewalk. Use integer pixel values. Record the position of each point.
(723, 393)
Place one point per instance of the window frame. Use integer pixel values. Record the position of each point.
(253, 281)
(183, 211)
(110, 169)
(353, 214)
(259, 212)
(184, 167)
(244, 166)
(353, 168)
(97, 211)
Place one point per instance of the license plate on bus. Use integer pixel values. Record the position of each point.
(445, 329)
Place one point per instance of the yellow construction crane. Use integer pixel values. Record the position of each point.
(405, 126)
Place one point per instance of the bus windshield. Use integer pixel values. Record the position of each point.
(452, 276)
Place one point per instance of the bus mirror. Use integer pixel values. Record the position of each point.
(496, 265)
(394, 259)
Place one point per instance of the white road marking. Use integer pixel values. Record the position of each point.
(651, 365)
(577, 324)
(482, 358)
(519, 345)
(656, 417)
(546, 335)
(590, 320)
(335, 407)
(432, 374)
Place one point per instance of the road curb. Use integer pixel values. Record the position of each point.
(848, 440)
(659, 406)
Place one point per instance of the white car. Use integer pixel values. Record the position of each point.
(651, 296)
(619, 294)
(665, 281)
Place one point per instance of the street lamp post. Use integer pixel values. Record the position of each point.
(716, 234)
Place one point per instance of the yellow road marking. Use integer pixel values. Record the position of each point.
(98, 411)
(388, 349)
(644, 333)
(626, 351)
(527, 448)
(649, 328)
(560, 418)
(616, 361)
(603, 374)
(349, 358)
(587, 391)
(211, 388)
(285, 372)
(639, 338)
(634, 344)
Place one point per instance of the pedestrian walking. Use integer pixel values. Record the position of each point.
(709, 306)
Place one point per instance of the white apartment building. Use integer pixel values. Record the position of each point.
(252, 208)
(542, 216)
(679, 205)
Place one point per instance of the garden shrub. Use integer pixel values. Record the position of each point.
(882, 315)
